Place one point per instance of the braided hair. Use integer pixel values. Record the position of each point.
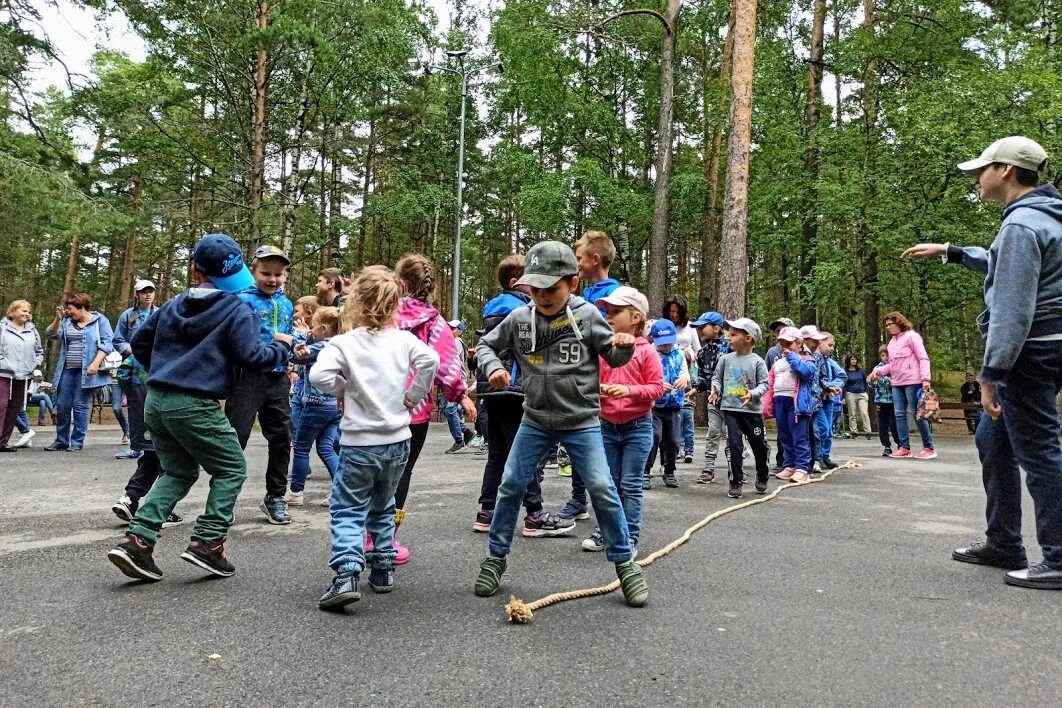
(417, 273)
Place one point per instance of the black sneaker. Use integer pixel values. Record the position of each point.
(209, 557)
(545, 524)
(1040, 577)
(829, 464)
(342, 592)
(735, 491)
(132, 556)
(457, 447)
(469, 436)
(483, 519)
(689, 458)
(707, 477)
(276, 509)
(125, 508)
(670, 481)
(761, 487)
(887, 452)
(981, 553)
(174, 519)
(382, 580)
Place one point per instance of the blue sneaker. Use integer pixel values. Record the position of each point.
(129, 455)
(276, 509)
(575, 510)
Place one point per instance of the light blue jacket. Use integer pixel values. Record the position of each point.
(98, 338)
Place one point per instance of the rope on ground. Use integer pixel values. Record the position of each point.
(519, 612)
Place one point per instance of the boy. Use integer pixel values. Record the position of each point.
(812, 337)
(330, 287)
(739, 382)
(970, 392)
(191, 347)
(266, 394)
(709, 328)
(556, 344)
(667, 412)
(505, 410)
(832, 389)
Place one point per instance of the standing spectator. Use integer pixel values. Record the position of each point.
(856, 397)
(131, 378)
(970, 392)
(908, 366)
(676, 309)
(330, 288)
(20, 353)
(883, 402)
(85, 340)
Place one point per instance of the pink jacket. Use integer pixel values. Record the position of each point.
(645, 377)
(425, 322)
(908, 361)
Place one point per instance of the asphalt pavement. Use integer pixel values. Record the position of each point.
(836, 593)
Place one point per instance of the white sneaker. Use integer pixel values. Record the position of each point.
(25, 440)
(327, 501)
(295, 498)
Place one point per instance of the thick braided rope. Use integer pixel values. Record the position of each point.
(520, 612)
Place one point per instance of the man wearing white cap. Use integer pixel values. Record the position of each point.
(1022, 372)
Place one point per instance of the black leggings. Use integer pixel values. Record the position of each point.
(416, 444)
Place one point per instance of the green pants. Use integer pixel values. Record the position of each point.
(190, 432)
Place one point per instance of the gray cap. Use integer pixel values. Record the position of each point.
(1015, 150)
(746, 325)
(546, 263)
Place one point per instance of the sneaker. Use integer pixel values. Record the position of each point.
(125, 508)
(551, 465)
(483, 451)
(1040, 577)
(786, 474)
(927, 453)
(477, 442)
(327, 501)
(688, 459)
(670, 481)
(735, 491)
(382, 580)
(707, 477)
(26, 439)
(401, 553)
(900, 452)
(210, 556)
(342, 592)
(545, 524)
(129, 455)
(483, 519)
(632, 582)
(886, 452)
(457, 447)
(468, 436)
(74, 449)
(761, 487)
(816, 468)
(172, 520)
(295, 498)
(275, 510)
(488, 581)
(799, 476)
(647, 482)
(125, 439)
(574, 510)
(596, 542)
(132, 556)
(829, 464)
(981, 553)
(564, 470)
(56, 447)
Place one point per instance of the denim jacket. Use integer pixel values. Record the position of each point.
(309, 394)
(98, 338)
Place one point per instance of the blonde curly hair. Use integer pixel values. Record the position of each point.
(373, 302)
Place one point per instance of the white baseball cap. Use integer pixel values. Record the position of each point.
(143, 284)
(38, 372)
(1016, 150)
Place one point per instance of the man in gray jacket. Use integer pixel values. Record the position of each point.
(1022, 372)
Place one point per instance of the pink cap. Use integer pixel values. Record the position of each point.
(624, 296)
(812, 332)
(790, 334)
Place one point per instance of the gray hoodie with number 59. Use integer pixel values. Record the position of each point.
(558, 361)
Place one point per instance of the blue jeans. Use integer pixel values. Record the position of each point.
(363, 498)
(904, 401)
(296, 414)
(1025, 437)
(687, 429)
(627, 447)
(823, 422)
(587, 453)
(72, 406)
(116, 406)
(792, 434)
(22, 422)
(453, 414)
(317, 424)
(43, 402)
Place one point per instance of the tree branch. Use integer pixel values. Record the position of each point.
(642, 11)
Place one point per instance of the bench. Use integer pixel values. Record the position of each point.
(946, 406)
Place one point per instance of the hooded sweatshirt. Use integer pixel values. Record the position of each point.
(427, 325)
(1023, 279)
(494, 313)
(196, 341)
(558, 358)
(643, 375)
(20, 350)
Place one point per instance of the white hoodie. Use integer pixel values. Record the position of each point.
(372, 370)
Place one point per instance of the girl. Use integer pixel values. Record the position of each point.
(908, 366)
(856, 396)
(676, 309)
(305, 308)
(627, 397)
(791, 400)
(883, 402)
(320, 416)
(416, 315)
(371, 367)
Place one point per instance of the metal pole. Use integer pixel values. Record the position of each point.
(456, 291)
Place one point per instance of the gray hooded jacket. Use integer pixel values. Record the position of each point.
(20, 350)
(558, 360)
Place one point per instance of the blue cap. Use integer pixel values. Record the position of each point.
(663, 332)
(709, 318)
(220, 259)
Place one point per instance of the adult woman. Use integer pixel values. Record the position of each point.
(132, 376)
(908, 365)
(85, 340)
(856, 397)
(676, 309)
(20, 353)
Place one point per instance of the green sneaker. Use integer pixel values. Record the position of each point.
(490, 575)
(632, 582)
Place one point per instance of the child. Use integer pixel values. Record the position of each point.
(452, 411)
(970, 392)
(667, 412)
(556, 343)
(505, 410)
(739, 382)
(832, 390)
(628, 394)
(812, 337)
(305, 308)
(883, 402)
(319, 422)
(370, 366)
(329, 288)
(709, 328)
(789, 385)
(191, 347)
(266, 395)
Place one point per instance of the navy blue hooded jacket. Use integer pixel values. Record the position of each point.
(496, 310)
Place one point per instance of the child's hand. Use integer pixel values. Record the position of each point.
(682, 384)
(623, 340)
(713, 397)
(302, 351)
(746, 399)
(668, 388)
(300, 326)
(500, 379)
(285, 338)
(616, 391)
(836, 390)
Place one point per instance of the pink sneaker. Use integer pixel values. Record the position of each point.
(787, 473)
(403, 553)
(900, 452)
(926, 454)
(368, 542)
(799, 476)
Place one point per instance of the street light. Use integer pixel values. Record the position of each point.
(459, 55)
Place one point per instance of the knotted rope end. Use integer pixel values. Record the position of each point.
(517, 611)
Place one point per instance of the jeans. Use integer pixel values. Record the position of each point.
(1025, 437)
(43, 402)
(319, 424)
(455, 420)
(22, 423)
(741, 427)
(296, 415)
(667, 438)
(586, 450)
(506, 413)
(904, 400)
(627, 447)
(793, 435)
(73, 405)
(887, 424)
(687, 429)
(363, 499)
(858, 411)
(265, 395)
(116, 406)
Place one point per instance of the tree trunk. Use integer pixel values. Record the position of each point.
(258, 140)
(366, 181)
(130, 243)
(735, 261)
(871, 82)
(812, 117)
